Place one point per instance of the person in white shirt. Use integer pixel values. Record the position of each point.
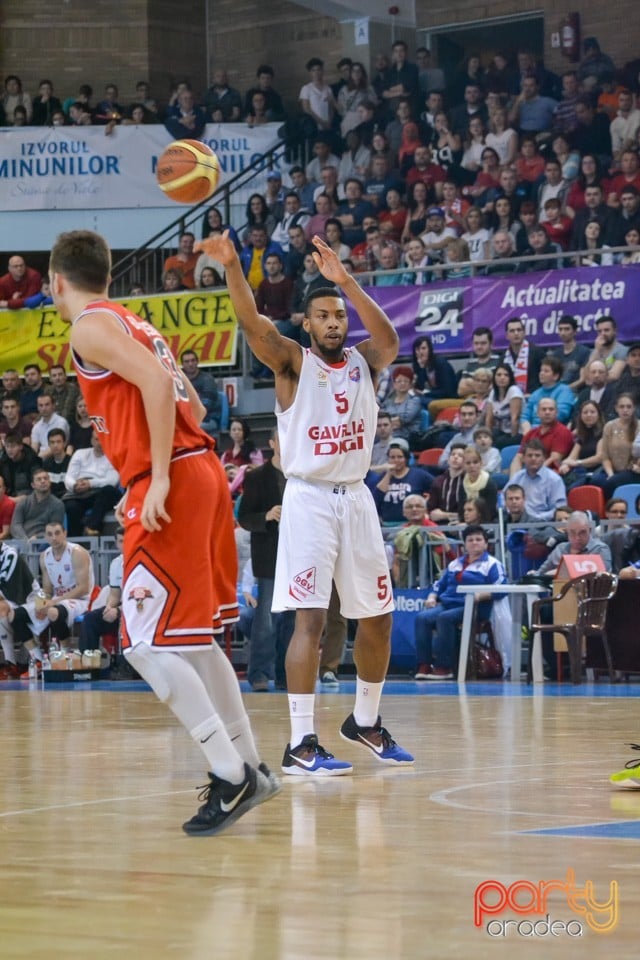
(93, 489)
(47, 421)
(316, 98)
(625, 126)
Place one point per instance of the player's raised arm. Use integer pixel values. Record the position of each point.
(381, 348)
(264, 338)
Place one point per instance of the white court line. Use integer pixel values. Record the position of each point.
(442, 797)
(92, 803)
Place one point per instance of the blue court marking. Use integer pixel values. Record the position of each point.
(616, 830)
(398, 686)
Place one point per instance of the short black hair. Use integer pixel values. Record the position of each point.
(318, 294)
(483, 332)
(472, 529)
(264, 68)
(605, 319)
(568, 320)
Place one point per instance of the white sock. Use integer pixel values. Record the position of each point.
(301, 715)
(242, 738)
(217, 673)
(367, 708)
(213, 740)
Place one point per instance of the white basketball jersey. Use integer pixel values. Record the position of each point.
(61, 571)
(328, 431)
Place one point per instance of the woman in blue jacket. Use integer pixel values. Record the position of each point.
(444, 606)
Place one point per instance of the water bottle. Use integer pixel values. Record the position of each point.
(33, 670)
(46, 663)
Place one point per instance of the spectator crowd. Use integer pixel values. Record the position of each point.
(506, 168)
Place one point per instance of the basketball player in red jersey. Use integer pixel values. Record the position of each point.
(329, 528)
(179, 586)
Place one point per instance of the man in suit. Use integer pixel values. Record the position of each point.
(259, 512)
(599, 390)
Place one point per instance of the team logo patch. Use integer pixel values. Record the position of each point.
(303, 584)
(323, 378)
(140, 594)
(354, 374)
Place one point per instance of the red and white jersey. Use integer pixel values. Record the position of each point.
(328, 431)
(61, 572)
(115, 405)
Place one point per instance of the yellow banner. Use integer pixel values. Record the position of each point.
(195, 320)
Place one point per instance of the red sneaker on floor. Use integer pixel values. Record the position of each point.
(423, 671)
(440, 673)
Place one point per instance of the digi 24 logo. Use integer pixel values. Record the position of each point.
(440, 315)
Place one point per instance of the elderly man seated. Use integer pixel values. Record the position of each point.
(582, 541)
(403, 551)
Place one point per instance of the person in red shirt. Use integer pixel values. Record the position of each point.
(184, 261)
(629, 176)
(529, 164)
(556, 439)
(180, 564)
(18, 283)
(557, 225)
(431, 174)
(7, 506)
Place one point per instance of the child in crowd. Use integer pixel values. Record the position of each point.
(41, 299)
(457, 251)
(490, 455)
(557, 224)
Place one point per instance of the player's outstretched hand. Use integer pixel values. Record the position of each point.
(219, 247)
(327, 262)
(153, 509)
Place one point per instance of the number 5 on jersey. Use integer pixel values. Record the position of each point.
(342, 404)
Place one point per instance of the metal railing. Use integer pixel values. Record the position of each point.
(144, 264)
(478, 267)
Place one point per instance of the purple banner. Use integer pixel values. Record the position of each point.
(449, 312)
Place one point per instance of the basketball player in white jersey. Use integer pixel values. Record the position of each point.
(67, 581)
(329, 528)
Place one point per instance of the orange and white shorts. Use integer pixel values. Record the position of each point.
(179, 585)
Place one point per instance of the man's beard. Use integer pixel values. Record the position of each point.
(330, 354)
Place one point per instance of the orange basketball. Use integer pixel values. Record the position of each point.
(188, 171)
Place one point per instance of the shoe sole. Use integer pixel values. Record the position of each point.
(627, 784)
(268, 786)
(295, 771)
(388, 760)
(235, 815)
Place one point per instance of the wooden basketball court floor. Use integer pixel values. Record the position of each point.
(510, 785)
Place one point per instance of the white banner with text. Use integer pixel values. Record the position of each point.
(75, 168)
